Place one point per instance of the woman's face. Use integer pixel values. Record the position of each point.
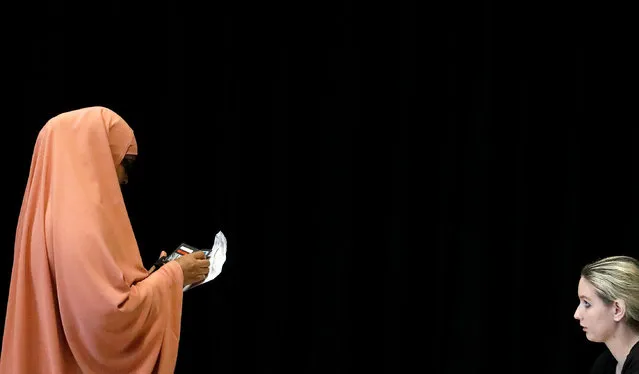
(596, 317)
(122, 169)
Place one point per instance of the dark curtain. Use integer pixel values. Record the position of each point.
(404, 187)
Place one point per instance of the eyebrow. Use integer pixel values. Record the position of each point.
(584, 297)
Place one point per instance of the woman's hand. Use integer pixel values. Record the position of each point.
(195, 267)
(162, 254)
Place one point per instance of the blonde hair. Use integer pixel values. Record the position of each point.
(617, 278)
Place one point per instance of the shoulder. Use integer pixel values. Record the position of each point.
(631, 366)
(604, 364)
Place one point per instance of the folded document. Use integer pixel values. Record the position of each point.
(217, 257)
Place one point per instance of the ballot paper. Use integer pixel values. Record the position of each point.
(217, 257)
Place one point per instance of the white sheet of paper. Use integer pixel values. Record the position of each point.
(217, 258)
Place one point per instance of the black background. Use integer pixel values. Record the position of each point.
(368, 163)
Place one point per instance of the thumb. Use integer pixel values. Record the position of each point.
(198, 254)
(162, 254)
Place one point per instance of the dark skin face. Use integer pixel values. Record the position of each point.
(123, 167)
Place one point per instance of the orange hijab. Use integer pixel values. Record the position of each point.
(80, 299)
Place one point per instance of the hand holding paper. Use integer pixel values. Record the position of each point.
(217, 259)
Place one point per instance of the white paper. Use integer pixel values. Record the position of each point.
(217, 259)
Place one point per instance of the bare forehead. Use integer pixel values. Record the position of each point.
(585, 288)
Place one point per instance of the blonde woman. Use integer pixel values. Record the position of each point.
(608, 312)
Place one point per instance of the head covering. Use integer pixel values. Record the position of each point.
(80, 299)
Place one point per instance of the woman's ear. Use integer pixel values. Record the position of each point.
(619, 310)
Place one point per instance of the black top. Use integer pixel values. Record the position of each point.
(606, 363)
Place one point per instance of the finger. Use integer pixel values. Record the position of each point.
(205, 263)
(162, 254)
(198, 254)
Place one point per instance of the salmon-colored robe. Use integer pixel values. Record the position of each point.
(80, 299)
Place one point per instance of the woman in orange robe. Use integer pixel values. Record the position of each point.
(80, 299)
